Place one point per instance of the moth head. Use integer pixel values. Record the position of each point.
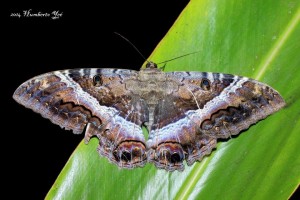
(151, 65)
(169, 156)
(130, 154)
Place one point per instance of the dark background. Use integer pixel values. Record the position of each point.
(34, 150)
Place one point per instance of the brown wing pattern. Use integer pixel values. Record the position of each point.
(96, 98)
(206, 106)
(185, 112)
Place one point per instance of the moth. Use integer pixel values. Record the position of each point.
(185, 113)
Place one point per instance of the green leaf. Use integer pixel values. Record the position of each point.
(257, 39)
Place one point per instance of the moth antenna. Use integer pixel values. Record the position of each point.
(178, 57)
(132, 46)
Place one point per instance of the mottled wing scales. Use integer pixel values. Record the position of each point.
(43, 94)
(244, 104)
(185, 112)
(224, 107)
(73, 100)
